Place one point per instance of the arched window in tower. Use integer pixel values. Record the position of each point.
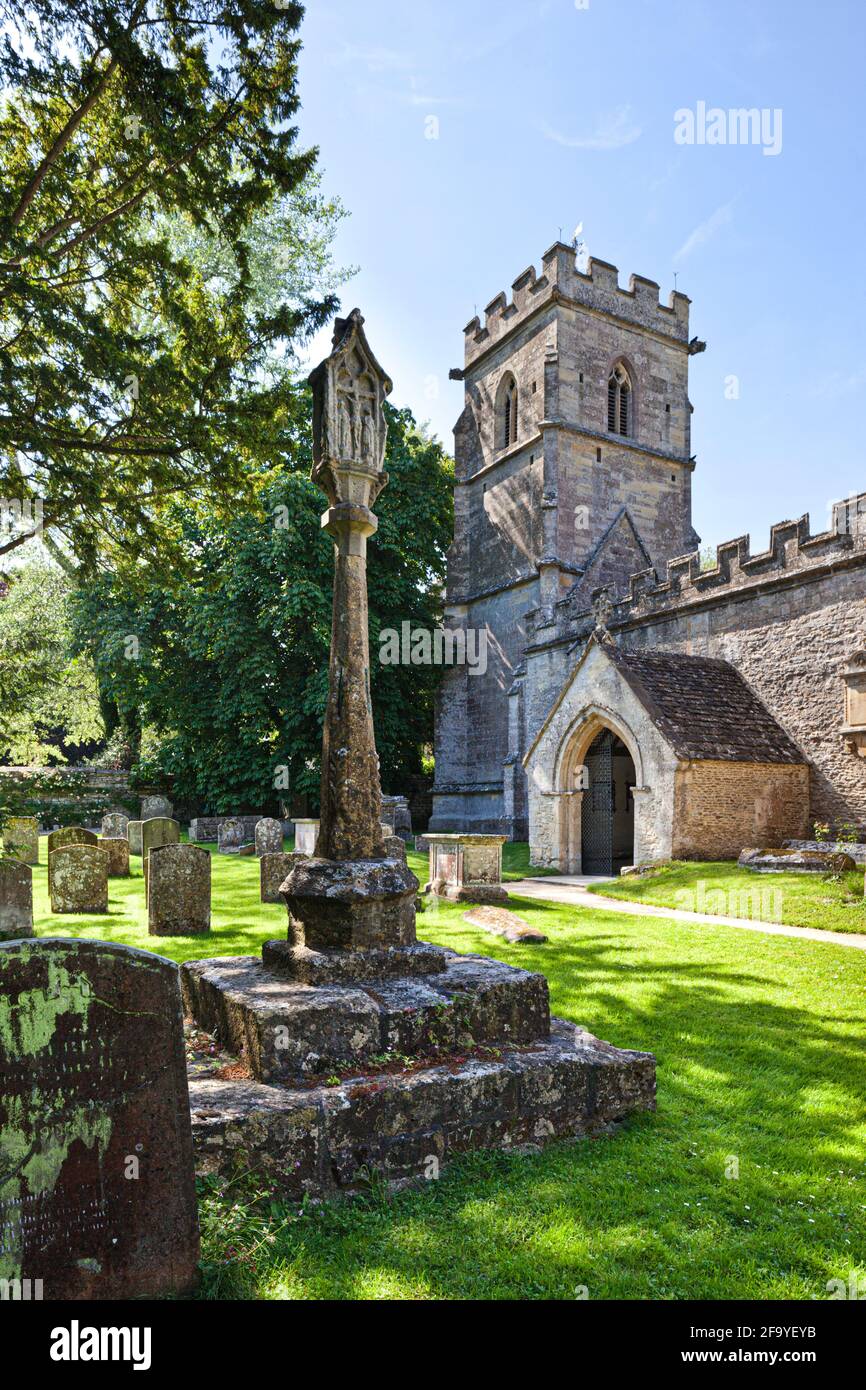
(507, 412)
(619, 401)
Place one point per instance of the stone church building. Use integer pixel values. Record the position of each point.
(634, 706)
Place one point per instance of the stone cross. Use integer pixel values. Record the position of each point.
(349, 433)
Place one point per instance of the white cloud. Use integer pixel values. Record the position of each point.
(705, 231)
(612, 132)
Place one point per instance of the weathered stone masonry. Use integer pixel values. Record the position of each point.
(569, 525)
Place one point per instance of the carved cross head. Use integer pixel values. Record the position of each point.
(349, 428)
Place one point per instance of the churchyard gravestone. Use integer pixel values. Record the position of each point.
(21, 839)
(306, 834)
(16, 899)
(178, 894)
(118, 856)
(275, 869)
(231, 835)
(114, 826)
(396, 815)
(78, 879)
(156, 808)
(269, 836)
(133, 836)
(97, 1195)
(160, 830)
(70, 835)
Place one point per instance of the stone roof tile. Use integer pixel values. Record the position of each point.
(704, 707)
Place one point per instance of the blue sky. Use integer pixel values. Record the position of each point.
(552, 113)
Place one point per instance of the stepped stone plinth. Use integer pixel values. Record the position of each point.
(365, 1047)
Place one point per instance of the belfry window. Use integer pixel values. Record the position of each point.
(619, 401)
(507, 413)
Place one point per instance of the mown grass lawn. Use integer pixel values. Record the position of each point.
(761, 1048)
(723, 889)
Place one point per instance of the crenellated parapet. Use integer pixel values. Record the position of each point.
(597, 289)
(794, 552)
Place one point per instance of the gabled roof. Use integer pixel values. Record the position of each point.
(703, 707)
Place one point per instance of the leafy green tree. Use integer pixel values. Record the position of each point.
(230, 668)
(129, 377)
(49, 698)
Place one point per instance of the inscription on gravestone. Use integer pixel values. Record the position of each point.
(269, 836)
(16, 899)
(178, 894)
(97, 1194)
(78, 879)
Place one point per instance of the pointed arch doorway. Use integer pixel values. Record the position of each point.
(607, 806)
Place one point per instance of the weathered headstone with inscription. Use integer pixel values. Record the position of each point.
(78, 879)
(114, 826)
(159, 830)
(16, 902)
(231, 835)
(133, 836)
(21, 839)
(70, 835)
(178, 893)
(156, 808)
(269, 836)
(275, 869)
(97, 1195)
(118, 856)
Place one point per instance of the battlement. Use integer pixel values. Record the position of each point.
(793, 550)
(598, 289)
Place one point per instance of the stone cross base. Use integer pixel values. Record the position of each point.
(324, 1141)
(367, 1048)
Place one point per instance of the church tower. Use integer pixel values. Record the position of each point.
(573, 468)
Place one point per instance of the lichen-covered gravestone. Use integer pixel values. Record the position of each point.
(156, 808)
(21, 839)
(118, 856)
(269, 836)
(159, 830)
(114, 826)
(275, 869)
(133, 836)
(70, 835)
(97, 1196)
(178, 894)
(231, 835)
(78, 879)
(16, 901)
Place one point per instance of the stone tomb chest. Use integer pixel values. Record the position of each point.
(466, 868)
